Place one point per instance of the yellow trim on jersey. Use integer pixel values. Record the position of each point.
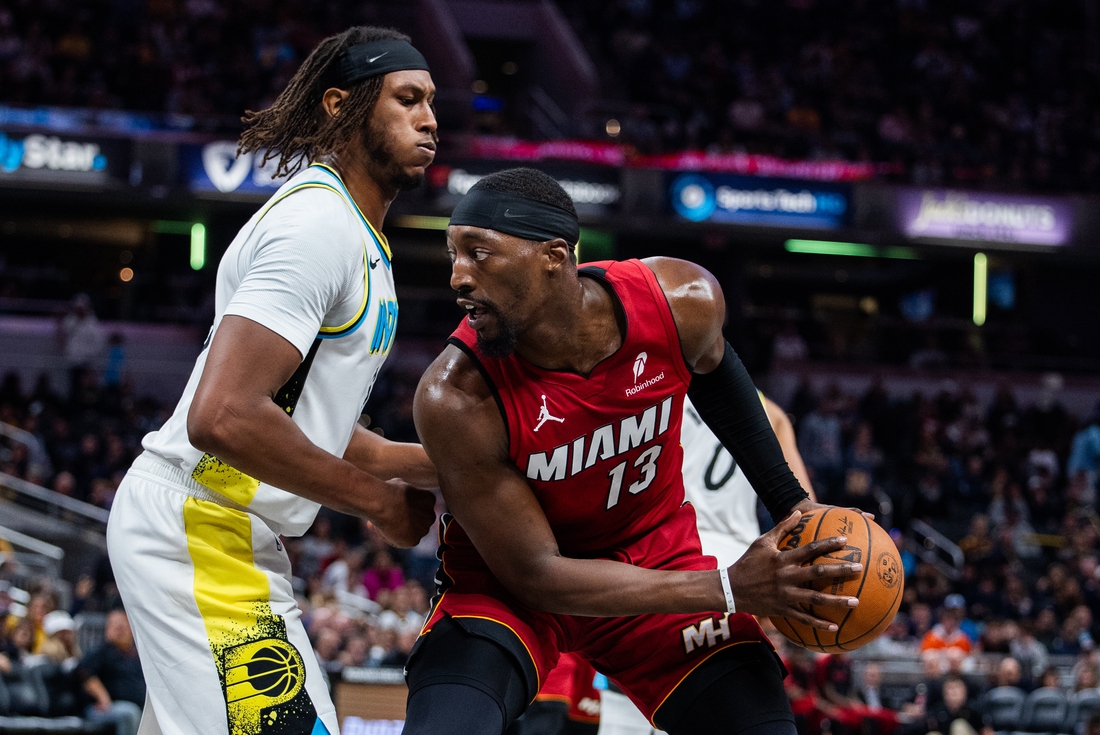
(378, 236)
(233, 598)
(361, 312)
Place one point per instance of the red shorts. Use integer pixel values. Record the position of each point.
(647, 656)
(571, 681)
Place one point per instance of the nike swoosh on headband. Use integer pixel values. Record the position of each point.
(376, 58)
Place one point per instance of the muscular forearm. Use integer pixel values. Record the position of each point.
(256, 437)
(602, 588)
(387, 459)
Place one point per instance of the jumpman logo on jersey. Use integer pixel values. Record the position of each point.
(544, 416)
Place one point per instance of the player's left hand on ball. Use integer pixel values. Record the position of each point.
(769, 582)
(410, 513)
(807, 505)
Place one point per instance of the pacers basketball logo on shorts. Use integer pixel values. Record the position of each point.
(264, 685)
(270, 668)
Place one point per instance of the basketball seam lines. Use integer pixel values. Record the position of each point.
(817, 532)
(863, 581)
(890, 612)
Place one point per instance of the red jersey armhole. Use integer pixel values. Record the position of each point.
(665, 310)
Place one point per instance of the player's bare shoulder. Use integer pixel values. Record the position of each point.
(697, 304)
(453, 400)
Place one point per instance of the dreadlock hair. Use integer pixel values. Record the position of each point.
(531, 184)
(295, 129)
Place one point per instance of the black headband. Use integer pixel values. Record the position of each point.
(366, 60)
(514, 215)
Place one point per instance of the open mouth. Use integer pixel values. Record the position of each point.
(475, 313)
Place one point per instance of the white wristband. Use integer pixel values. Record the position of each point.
(724, 573)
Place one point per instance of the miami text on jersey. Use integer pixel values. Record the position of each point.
(605, 442)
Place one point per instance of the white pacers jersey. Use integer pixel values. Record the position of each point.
(725, 503)
(311, 268)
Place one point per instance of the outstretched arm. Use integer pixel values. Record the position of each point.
(234, 418)
(464, 434)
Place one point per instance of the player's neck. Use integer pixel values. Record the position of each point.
(576, 336)
(372, 198)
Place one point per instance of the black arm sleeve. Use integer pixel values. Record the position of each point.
(728, 403)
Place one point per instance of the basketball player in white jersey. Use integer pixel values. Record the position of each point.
(725, 507)
(267, 428)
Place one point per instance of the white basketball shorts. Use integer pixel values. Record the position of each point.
(207, 591)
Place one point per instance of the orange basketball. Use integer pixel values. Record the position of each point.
(878, 588)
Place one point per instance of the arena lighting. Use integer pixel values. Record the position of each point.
(421, 222)
(981, 280)
(853, 249)
(197, 231)
(198, 246)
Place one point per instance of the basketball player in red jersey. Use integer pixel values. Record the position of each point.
(553, 418)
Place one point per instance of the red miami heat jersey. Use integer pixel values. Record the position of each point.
(601, 452)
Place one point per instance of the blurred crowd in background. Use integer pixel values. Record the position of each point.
(963, 92)
(1014, 485)
(966, 93)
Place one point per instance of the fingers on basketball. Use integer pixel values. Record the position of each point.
(878, 586)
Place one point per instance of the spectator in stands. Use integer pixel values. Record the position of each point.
(356, 652)
(60, 658)
(383, 574)
(112, 677)
(326, 645)
(401, 615)
(403, 645)
(834, 681)
(1083, 465)
(317, 545)
(61, 646)
(1050, 677)
(920, 621)
(977, 546)
(1031, 654)
(870, 688)
(1009, 673)
(1075, 635)
(996, 636)
(82, 339)
(5, 601)
(819, 440)
(808, 707)
(1086, 673)
(1016, 601)
(947, 634)
(41, 604)
(20, 641)
(1046, 627)
(956, 713)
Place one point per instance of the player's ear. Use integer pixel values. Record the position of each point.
(557, 254)
(332, 100)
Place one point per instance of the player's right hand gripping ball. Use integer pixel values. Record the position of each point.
(879, 587)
